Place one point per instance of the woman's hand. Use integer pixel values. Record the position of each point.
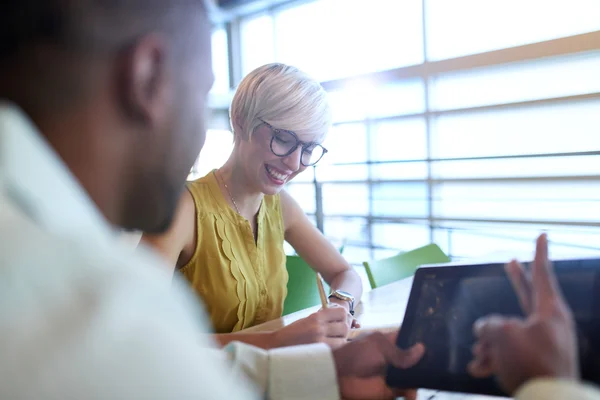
(329, 325)
(352, 322)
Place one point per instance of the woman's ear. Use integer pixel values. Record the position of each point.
(239, 132)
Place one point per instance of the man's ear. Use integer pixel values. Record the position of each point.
(144, 80)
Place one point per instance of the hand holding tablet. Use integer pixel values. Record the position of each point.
(446, 301)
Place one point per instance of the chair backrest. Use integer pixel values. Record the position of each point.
(403, 265)
(302, 286)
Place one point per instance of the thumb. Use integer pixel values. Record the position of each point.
(410, 357)
(399, 358)
(490, 328)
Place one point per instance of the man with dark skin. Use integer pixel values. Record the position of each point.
(118, 89)
(101, 117)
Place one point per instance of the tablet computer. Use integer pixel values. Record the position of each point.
(445, 301)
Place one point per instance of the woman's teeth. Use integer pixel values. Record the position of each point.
(276, 174)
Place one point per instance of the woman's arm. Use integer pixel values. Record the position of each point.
(178, 243)
(327, 325)
(264, 340)
(318, 252)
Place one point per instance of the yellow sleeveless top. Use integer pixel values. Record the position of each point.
(242, 282)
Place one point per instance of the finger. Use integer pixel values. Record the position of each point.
(337, 329)
(494, 329)
(334, 313)
(545, 287)
(349, 320)
(337, 305)
(489, 329)
(410, 357)
(392, 335)
(481, 365)
(397, 357)
(498, 337)
(480, 350)
(520, 283)
(355, 324)
(335, 342)
(480, 368)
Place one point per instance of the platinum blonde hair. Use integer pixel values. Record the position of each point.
(282, 96)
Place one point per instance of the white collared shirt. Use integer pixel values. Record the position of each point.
(83, 317)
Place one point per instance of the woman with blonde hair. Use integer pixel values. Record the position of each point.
(228, 233)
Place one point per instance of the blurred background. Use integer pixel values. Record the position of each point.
(467, 123)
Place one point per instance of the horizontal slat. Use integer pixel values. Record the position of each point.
(465, 110)
(502, 157)
(516, 82)
(470, 245)
(568, 45)
(508, 192)
(519, 169)
(473, 180)
(437, 221)
(557, 236)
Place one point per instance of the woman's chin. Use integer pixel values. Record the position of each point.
(270, 190)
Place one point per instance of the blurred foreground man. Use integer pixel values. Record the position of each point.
(101, 118)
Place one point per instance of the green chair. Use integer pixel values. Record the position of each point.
(403, 265)
(301, 286)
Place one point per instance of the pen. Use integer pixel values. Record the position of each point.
(324, 301)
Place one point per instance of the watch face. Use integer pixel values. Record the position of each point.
(345, 294)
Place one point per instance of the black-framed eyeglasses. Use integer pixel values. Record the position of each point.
(284, 143)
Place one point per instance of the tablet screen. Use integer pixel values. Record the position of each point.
(446, 301)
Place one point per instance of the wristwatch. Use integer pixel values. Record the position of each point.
(340, 294)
